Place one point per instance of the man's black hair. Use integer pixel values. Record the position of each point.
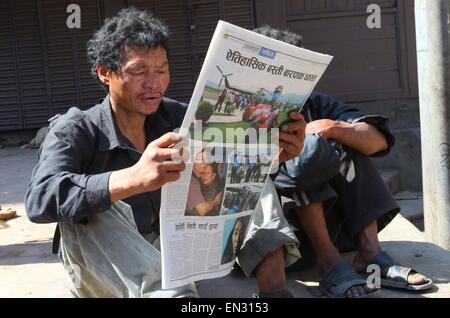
(130, 27)
(281, 35)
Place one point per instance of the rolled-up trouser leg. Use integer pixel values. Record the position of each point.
(108, 257)
(268, 231)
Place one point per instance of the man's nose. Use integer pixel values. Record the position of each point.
(152, 81)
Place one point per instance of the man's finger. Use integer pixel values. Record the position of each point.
(168, 140)
(180, 154)
(168, 154)
(294, 127)
(291, 150)
(185, 155)
(171, 176)
(290, 138)
(294, 115)
(171, 166)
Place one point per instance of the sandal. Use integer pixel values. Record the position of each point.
(394, 275)
(343, 276)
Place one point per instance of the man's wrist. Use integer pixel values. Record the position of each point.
(133, 183)
(338, 128)
(123, 184)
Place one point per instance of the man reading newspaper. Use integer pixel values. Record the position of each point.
(100, 172)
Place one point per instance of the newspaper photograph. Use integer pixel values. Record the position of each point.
(246, 89)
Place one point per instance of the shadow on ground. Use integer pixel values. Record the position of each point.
(33, 252)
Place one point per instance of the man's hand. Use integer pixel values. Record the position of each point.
(323, 127)
(362, 137)
(292, 136)
(155, 168)
(218, 199)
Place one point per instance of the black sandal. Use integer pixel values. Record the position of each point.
(343, 276)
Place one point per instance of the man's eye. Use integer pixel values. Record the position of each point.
(136, 71)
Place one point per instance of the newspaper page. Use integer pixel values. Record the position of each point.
(247, 86)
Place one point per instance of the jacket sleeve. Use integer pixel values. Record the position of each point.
(60, 190)
(335, 110)
(318, 162)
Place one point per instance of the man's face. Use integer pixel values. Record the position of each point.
(237, 231)
(208, 175)
(200, 163)
(141, 81)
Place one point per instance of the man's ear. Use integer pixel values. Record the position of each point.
(103, 74)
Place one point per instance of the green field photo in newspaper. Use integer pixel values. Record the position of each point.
(248, 85)
(226, 108)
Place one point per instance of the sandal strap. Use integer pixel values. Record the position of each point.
(343, 277)
(392, 270)
(344, 286)
(399, 273)
(384, 260)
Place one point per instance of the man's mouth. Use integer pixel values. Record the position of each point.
(150, 97)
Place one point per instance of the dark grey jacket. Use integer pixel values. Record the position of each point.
(82, 148)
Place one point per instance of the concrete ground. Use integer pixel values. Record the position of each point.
(28, 269)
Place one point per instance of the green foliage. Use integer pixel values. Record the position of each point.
(204, 111)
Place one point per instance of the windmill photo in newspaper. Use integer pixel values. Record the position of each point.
(224, 106)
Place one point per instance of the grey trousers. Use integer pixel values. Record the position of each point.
(268, 231)
(108, 257)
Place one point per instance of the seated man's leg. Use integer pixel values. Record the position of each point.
(108, 257)
(367, 206)
(312, 219)
(363, 195)
(317, 231)
(270, 245)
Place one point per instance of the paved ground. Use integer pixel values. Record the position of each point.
(28, 269)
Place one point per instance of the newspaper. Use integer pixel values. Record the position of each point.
(246, 88)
